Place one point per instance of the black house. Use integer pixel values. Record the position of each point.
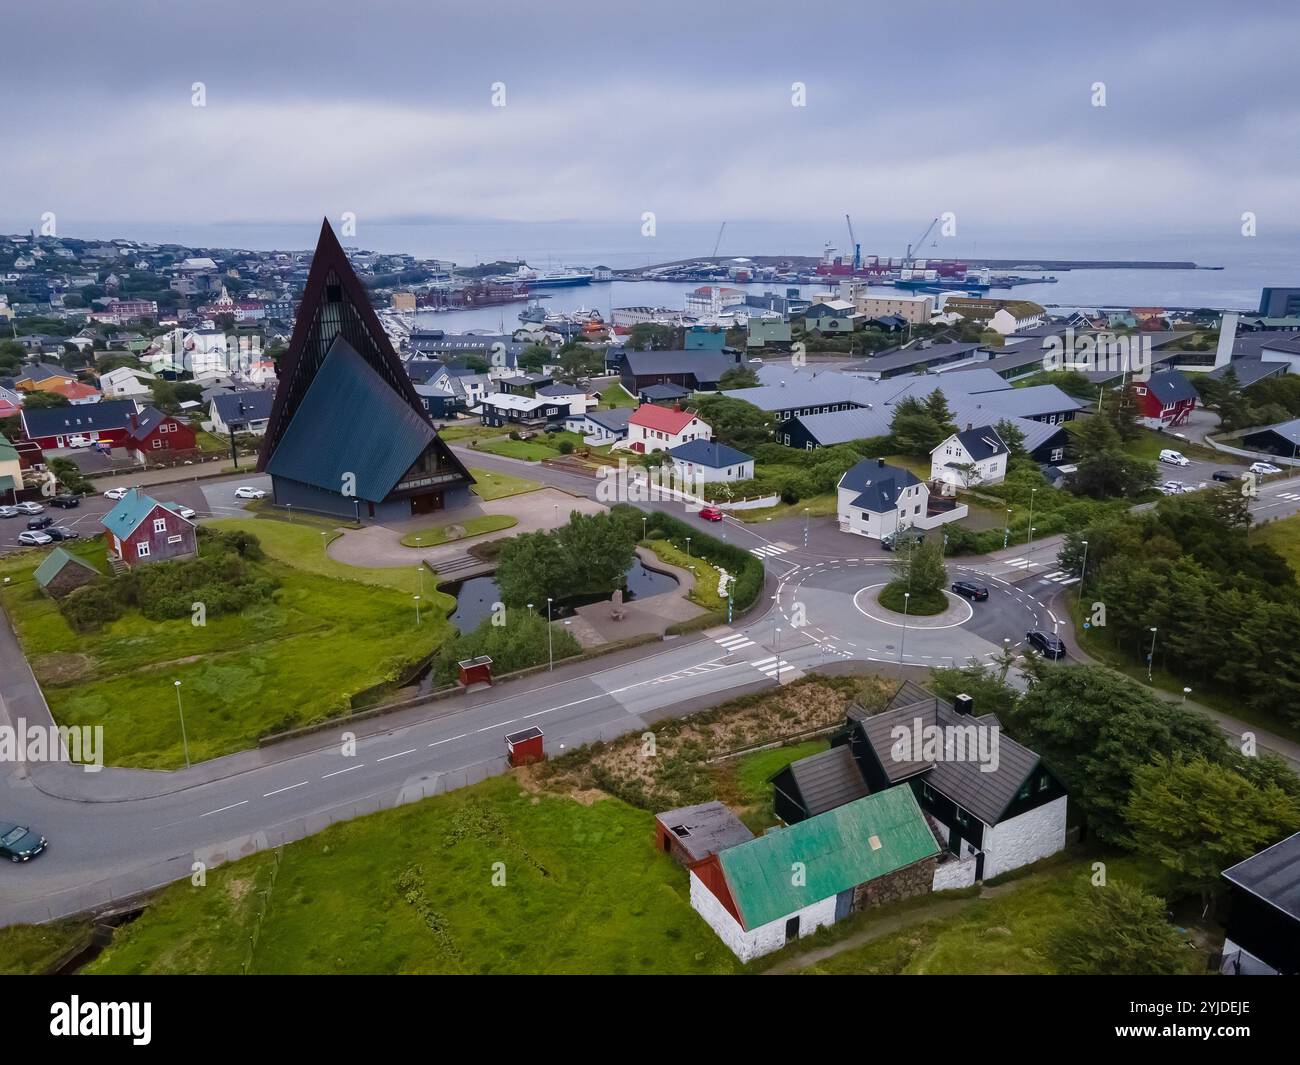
(1263, 930)
(698, 370)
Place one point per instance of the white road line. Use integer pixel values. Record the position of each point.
(385, 758)
(449, 739)
(242, 802)
(339, 771)
(301, 783)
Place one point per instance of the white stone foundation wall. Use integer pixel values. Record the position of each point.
(953, 874)
(1025, 838)
(747, 945)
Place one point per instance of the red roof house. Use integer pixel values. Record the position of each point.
(140, 529)
(1164, 399)
(653, 428)
(150, 431)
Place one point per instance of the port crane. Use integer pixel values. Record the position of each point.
(907, 259)
(853, 243)
(718, 242)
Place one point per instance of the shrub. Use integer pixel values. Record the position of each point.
(514, 434)
(565, 447)
(91, 606)
(519, 643)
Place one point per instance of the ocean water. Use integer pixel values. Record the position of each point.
(1249, 263)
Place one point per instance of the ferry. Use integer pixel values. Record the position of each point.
(546, 278)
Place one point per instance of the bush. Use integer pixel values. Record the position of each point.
(87, 608)
(519, 643)
(514, 434)
(565, 447)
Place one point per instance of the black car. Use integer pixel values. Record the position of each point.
(62, 532)
(971, 590)
(43, 522)
(66, 502)
(1225, 475)
(19, 844)
(1048, 644)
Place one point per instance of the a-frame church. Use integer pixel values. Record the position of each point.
(348, 434)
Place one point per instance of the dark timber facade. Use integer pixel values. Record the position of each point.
(348, 434)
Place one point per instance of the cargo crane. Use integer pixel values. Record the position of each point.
(853, 243)
(718, 242)
(908, 259)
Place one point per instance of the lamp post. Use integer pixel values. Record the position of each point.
(907, 596)
(642, 526)
(356, 505)
(1151, 658)
(688, 547)
(805, 527)
(550, 646)
(417, 609)
(530, 610)
(1032, 491)
(323, 544)
(1186, 693)
(181, 711)
(420, 570)
(1083, 569)
(1006, 533)
(777, 640)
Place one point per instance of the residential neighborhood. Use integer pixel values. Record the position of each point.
(466, 511)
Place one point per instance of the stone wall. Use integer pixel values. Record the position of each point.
(1025, 838)
(905, 883)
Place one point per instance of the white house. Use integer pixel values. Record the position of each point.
(710, 461)
(970, 458)
(126, 381)
(876, 500)
(574, 395)
(652, 429)
(600, 427)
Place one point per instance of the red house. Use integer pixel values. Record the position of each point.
(151, 431)
(140, 529)
(52, 427)
(1165, 399)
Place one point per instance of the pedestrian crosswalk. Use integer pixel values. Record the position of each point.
(734, 642)
(1020, 563)
(1062, 577)
(771, 666)
(767, 551)
(1292, 496)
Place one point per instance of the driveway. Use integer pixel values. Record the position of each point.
(381, 545)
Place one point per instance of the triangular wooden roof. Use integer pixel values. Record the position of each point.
(334, 303)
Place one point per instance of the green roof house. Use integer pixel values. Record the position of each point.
(760, 895)
(62, 572)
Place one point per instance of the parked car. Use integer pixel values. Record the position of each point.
(1174, 458)
(244, 492)
(20, 844)
(79, 441)
(1225, 475)
(66, 502)
(554, 429)
(40, 523)
(35, 539)
(29, 508)
(62, 532)
(901, 540)
(115, 493)
(8, 512)
(1264, 467)
(184, 512)
(1174, 488)
(971, 590)
(1048, 644)
(710, 514)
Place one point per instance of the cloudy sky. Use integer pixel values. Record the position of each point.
(385, 108)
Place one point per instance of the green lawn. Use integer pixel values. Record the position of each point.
(433, 535)
(281, 663)
(817, 507)
(411, 890)
(1283, 536)
(744, 783)
(29, 950)
(470, 431)
(492, 485)
(616, 396)
(1004, 935)
(542, 446)
(1148, 444)
(705, 592)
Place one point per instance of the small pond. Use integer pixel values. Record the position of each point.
(475, 596)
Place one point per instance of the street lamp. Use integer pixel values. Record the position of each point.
(688, 547)
(805, 527)
(417, 609)
(290, 506)
(323, 544)
(1083, 569)
(530, 610)
(180, 710)
(1151, 658)
(642, 526)
(1032, 491)
(420, 570)
(356, 505)
(550, 647)
(777, 640)
(1186, 693)
(903, 642)
(1006, 532)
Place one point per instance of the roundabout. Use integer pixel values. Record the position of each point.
(835, 604)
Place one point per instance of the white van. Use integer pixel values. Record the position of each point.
(1174, 458)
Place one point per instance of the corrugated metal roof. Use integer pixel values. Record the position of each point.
(328, 440)
(54, 563)
(705, 829)
(129, 512)
(835, 850)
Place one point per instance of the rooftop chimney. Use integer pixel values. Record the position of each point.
(963, 704)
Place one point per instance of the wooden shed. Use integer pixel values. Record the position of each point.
(62, 572)
(475, 671)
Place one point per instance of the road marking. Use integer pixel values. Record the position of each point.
(385, 758)
(279, 791)
(449, 739)
(242, 802)
(767, 551)
(734, 643)
(338, 771)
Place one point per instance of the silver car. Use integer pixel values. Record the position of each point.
(34, 539)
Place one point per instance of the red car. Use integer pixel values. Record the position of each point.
(710, 514)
